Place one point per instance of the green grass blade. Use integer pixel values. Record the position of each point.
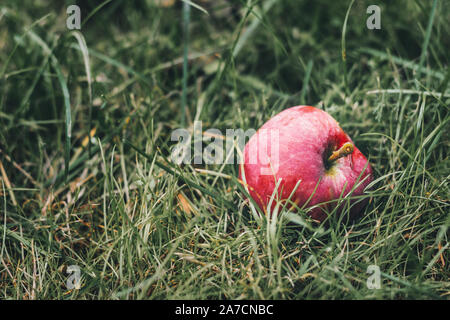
(186, 22)
(426, 40)
(87, 66)
(68, 117)
(343, 47)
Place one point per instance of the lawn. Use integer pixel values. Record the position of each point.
(92, 207)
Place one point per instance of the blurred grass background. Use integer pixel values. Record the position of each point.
(137, 230)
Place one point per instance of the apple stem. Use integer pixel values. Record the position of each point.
(346, 149)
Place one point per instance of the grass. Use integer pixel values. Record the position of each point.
(85, 126)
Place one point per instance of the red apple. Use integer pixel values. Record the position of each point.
(305, 143)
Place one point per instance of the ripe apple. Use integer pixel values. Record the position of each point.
(305, 143)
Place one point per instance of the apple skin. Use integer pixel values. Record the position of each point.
(306, 138)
